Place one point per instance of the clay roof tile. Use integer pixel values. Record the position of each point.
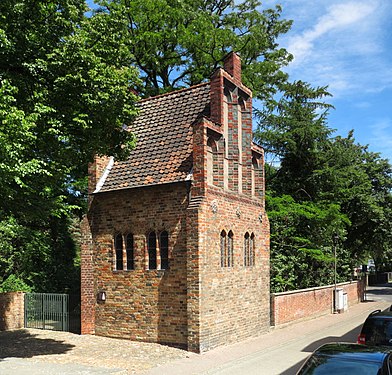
(163, 130)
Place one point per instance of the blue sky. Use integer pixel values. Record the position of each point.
(346, 45)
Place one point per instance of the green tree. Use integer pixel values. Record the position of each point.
(361, 182)
(63, 98)
(294, 129)
(302, 243)
(330, 187)
(176, 43)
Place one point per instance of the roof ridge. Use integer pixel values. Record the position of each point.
(174, 92)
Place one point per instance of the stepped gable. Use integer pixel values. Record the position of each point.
(163, 130)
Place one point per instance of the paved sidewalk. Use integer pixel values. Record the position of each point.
(41, 352)
(231, 359)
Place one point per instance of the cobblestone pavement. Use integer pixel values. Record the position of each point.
(39, 352)
(87, 350)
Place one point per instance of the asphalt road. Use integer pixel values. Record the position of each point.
(380, 293)
(283, 350)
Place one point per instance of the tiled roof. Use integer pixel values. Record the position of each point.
(163, 130)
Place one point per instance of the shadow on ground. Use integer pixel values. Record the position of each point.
(350, 336)
(23, 344)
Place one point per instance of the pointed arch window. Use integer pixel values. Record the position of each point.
(223, 248)
(152, 251)
(246, 249)
(227, 249)
(130, 252)
(252, 250)
(230, 250)
(118, 245)
(249, 250)
(164, 250)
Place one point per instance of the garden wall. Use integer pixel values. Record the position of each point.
(11, 310)
(288, 307)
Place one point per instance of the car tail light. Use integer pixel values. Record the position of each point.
(361, 339)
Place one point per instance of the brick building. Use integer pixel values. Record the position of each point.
(176, 240)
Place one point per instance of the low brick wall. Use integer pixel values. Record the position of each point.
(11, 310)
(288, 307)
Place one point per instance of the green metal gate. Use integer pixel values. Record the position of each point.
(46, 311)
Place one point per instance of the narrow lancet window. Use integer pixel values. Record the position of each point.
(164, 250)
(152, 251)
(118, 245)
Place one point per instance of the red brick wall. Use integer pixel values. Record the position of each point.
(232, 65)
(288, 307)
(88, 290)
(11, 310)
(201, 308)
(355, 292)
(141, 304)
(196, 303)
(234, 301)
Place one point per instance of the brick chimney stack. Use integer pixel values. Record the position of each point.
(232, 65)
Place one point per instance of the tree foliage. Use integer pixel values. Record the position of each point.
(323, 188)
(63, 98)
(176, 43)
(68, 77)
(67, 84)
(302, 242)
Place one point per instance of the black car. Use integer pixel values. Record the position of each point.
(348, 358)
(377, 329)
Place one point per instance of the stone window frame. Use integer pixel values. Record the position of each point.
(124, 251)
(227, 249)
(158, 250)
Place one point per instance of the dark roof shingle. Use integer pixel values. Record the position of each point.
(163, 130)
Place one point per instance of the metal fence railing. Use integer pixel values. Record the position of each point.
(47, 311)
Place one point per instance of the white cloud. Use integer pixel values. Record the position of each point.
(343, 45)
(346, 45)
(337, 18)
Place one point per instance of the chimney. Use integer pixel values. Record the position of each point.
(96, 170)
(232, 65)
